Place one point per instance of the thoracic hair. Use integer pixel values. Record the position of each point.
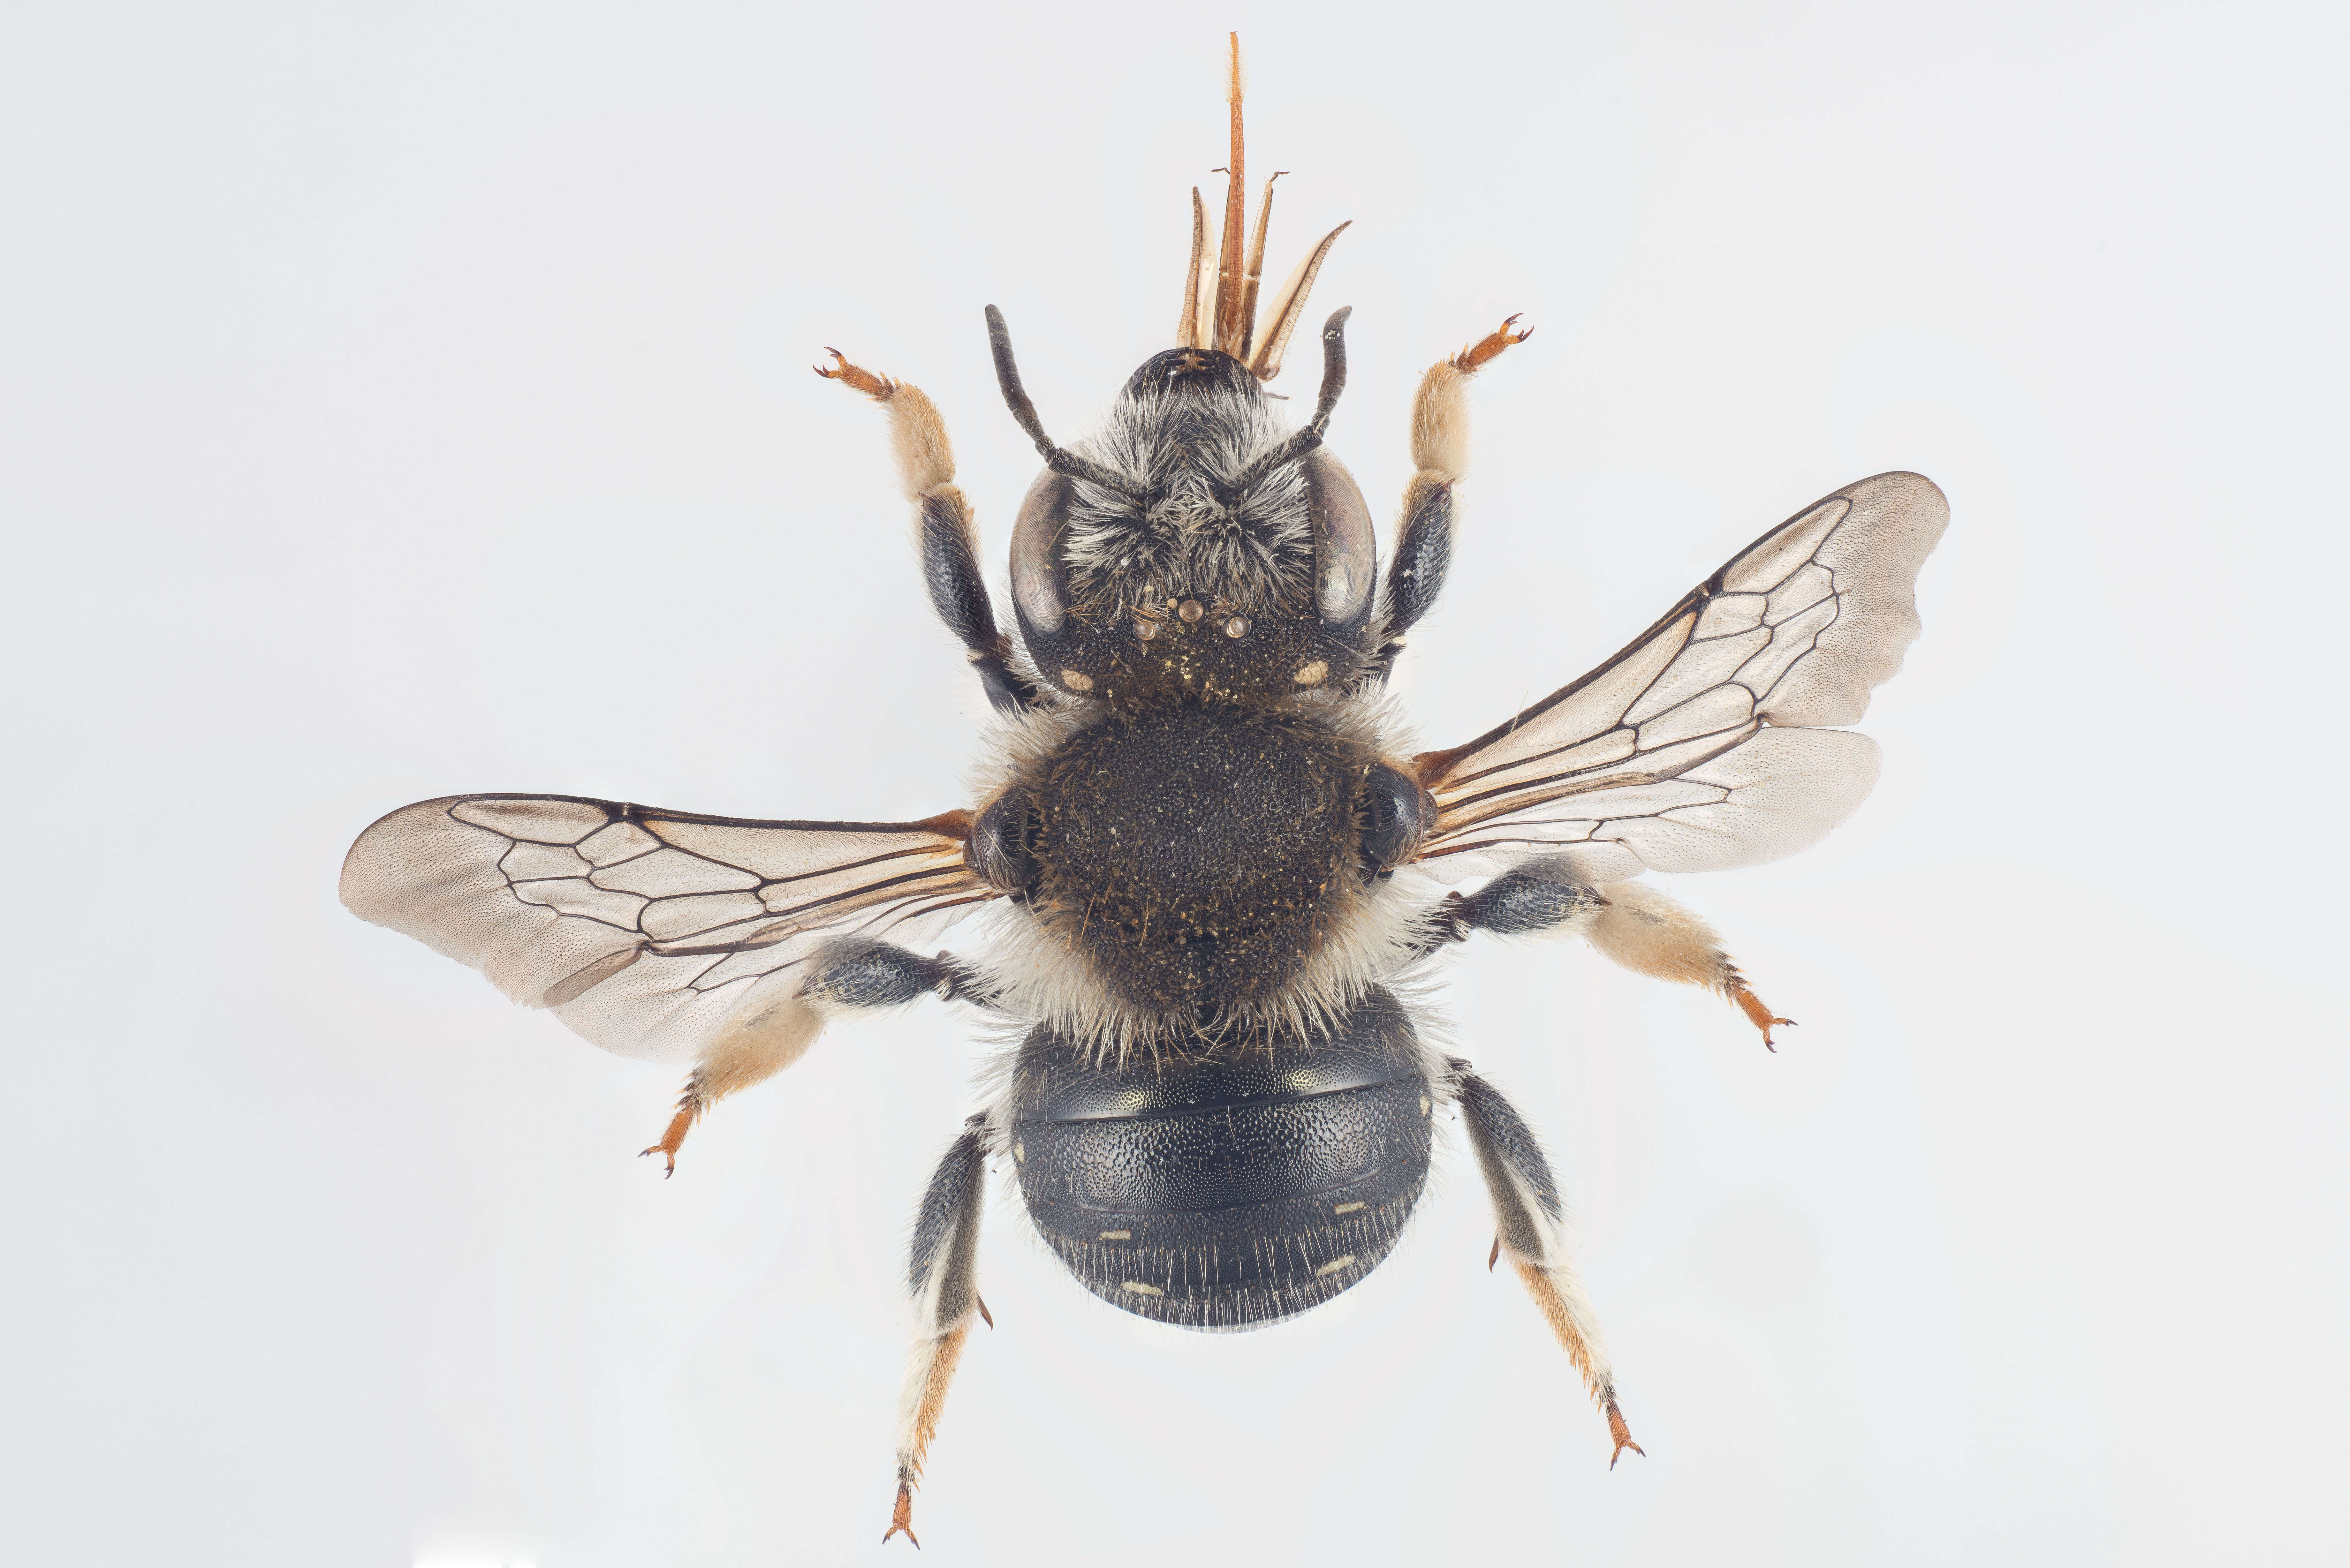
(1053, 960)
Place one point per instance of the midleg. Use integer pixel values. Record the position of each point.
(1529, 1225)
(857, 973)
(853, 974)
(942, 1276)
(949, 538)
(1440, 456)
(1630, 922)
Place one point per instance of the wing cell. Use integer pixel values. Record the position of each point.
(651, 934)
(1705, 743)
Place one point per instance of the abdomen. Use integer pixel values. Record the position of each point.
(1232, 1190)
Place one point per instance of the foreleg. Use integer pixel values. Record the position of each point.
(943, 1277)
(1630, 922)
(854, 974)
(947, 536)
(1529, 1225)
(1440, 456)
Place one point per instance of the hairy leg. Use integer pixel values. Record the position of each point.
(851, 975)
(948, 535)
(1650, 934)
(1630, 922)
(1440, 456)
(942, 1276)
(1529, 1225)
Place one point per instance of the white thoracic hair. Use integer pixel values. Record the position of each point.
(1374, 933)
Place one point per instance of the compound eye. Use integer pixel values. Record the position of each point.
(1346, 555)
(1040, 580)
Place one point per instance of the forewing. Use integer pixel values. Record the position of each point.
(1699, 747)
(645, 931)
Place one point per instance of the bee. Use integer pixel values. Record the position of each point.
(1205, 859)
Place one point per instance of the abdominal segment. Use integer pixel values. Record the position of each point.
(1233, 1189)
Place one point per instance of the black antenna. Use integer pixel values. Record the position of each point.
(1305, 439)
(1060, 459)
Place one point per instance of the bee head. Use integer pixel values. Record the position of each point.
(1194, 548)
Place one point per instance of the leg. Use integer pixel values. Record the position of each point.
(850, 975)
(1630, 922)
(1650, 934)
(766, 1035)
(1529, 1224)
(857, 973)
(1439, 455)
(949, 542)
(943, 1277)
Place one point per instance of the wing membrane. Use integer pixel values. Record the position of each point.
(648, 930)
(1700, 745)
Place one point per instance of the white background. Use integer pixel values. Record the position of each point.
(416, 401)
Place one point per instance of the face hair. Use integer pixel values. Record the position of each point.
(1186, 448)
(1222, 516)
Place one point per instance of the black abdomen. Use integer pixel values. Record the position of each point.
(1233, 1190)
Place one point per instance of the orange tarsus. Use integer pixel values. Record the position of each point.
(1622, 1434)
(674, 1137)
(877, 388)
(1758, 1012)
(1489, 347)
(902, 1516)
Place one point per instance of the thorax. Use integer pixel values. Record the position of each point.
(1198, 855)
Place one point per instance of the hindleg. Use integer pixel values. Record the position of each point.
(766, 1035)
(1650, 934)
(1529, 1225)
(943, 1279)
(1440, 456)
(1630, 922)
(851, 975)
(948, 535)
